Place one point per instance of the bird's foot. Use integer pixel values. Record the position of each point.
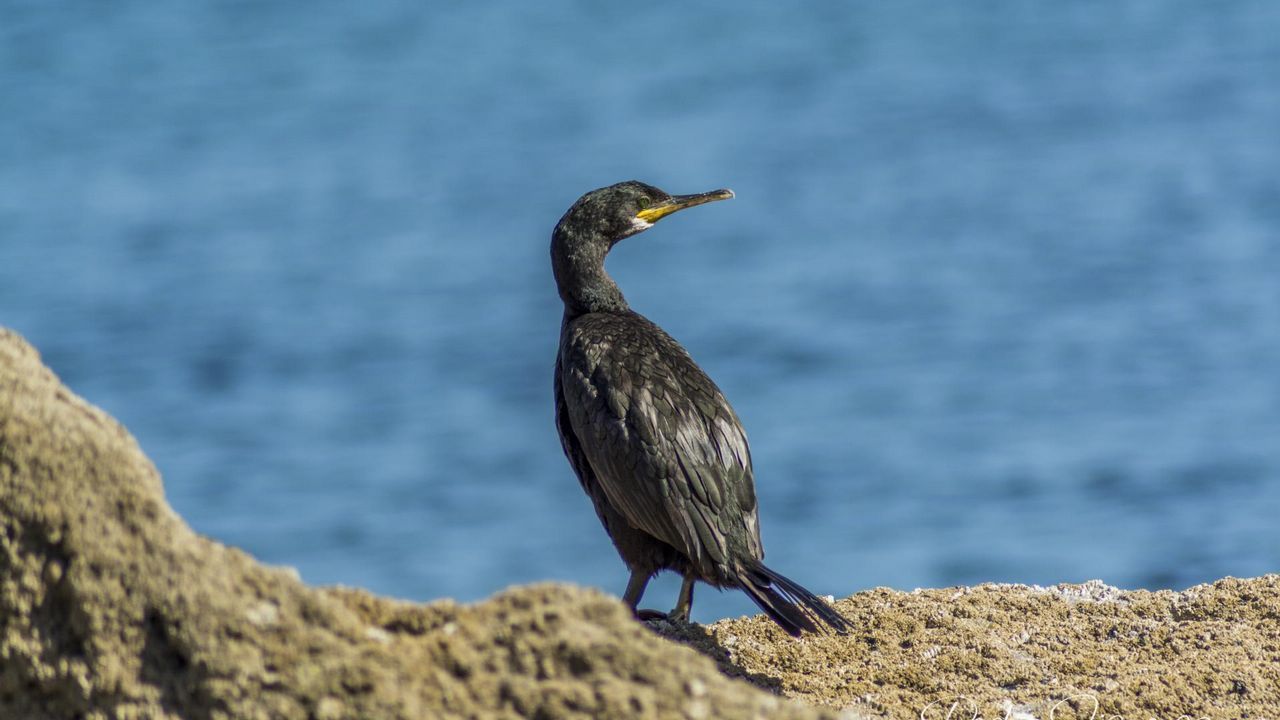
(671, 617)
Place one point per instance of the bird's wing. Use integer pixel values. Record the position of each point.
(575, 452)
(569, 441)
(667, 449)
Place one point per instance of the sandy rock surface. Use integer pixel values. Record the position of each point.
(111, 607)
(1014, 651)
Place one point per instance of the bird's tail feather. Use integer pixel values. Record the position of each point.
(787, 603)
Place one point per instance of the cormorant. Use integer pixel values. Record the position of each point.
(652, 439)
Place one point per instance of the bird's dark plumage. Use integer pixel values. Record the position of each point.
(652, 439)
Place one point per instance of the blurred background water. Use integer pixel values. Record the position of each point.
(998, 300)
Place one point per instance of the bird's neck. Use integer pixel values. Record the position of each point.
(584, 285)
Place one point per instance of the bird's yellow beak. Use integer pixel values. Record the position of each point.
(680, 202)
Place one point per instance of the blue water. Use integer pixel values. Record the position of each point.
(998, 300)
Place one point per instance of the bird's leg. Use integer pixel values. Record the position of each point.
(684, 603)
(635, 588)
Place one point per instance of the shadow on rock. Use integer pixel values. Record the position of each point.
(704, 641)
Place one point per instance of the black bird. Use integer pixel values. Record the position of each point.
(652, 439)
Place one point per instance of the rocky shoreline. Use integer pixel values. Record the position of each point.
(112, 607)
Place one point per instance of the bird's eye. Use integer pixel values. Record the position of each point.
(644, 202)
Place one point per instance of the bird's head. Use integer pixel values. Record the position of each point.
(612, 213)
(595, 223)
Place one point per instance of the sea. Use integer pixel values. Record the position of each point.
(998, 299)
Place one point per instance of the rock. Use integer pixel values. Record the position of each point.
(1017, 651)
(111, 607)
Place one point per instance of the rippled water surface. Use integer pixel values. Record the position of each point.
(998, 299)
